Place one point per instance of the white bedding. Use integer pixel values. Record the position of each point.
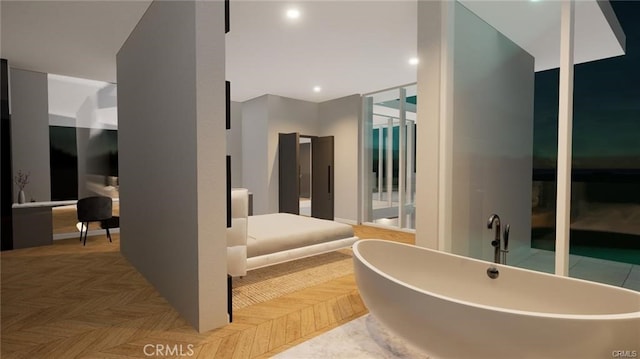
(270, 233)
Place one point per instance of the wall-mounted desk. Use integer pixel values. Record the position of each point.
(33, 223)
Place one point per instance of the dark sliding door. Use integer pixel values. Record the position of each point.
(322, 174)
(288, 173)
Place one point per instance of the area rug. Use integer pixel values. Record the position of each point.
(363, 338)
(268, 283)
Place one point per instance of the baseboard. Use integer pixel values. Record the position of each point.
(95, 232)
(346, 221)
(392, 228)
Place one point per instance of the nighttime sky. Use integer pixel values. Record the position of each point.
(606, 118)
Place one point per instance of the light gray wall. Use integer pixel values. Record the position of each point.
(171, 110)
(234, 144)
(255, 116)
(286, 115)
(30, 132)
(341, 118)
(493, 84)
(263, 118)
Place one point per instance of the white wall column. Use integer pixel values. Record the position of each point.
(410, 169)
(389, 154)
(367, 160)
(431, 21)
(402, 146)
(380, 162)
(565, 121)
(445, 169)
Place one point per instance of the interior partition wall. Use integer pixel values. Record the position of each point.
(30, 132)
(171, 120)
(389, 157)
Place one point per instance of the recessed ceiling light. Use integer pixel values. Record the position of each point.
(414, 61)
(293, 13)
(317, 89)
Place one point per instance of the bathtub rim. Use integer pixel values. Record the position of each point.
(618, 316)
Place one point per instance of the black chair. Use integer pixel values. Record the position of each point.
(96, 209)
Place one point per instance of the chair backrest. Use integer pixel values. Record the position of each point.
(96, 208)
(237, 234)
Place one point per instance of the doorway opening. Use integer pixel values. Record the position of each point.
(305, 175)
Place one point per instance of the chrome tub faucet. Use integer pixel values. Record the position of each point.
(499, 254)
(494, 219)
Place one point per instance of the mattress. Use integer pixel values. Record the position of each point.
(271, 233)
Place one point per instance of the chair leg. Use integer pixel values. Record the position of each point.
(81, 230)
(108, 234)
(85, 235)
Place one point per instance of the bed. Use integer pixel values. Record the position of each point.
(259, 241)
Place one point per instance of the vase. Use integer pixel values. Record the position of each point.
(21, 197)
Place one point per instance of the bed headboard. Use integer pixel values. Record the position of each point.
(237, 234)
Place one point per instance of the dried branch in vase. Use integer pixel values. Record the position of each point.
(22, 179)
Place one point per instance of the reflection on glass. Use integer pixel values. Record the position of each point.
(83, 139)
(605, 200)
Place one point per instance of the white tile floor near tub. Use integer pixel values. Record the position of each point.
(598, 270)
(362, 338)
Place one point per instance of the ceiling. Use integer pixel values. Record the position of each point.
(344, 47)
(68, 94)
(72, 38)
(70, 99)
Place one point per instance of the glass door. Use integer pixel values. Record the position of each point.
(389, 154)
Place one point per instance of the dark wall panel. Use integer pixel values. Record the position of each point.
(6, 177)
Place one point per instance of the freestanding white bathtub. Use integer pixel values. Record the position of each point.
(449, 307)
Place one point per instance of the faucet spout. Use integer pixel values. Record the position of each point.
(494, 220)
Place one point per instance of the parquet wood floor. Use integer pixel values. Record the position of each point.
(70, 301)
(65, 219)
